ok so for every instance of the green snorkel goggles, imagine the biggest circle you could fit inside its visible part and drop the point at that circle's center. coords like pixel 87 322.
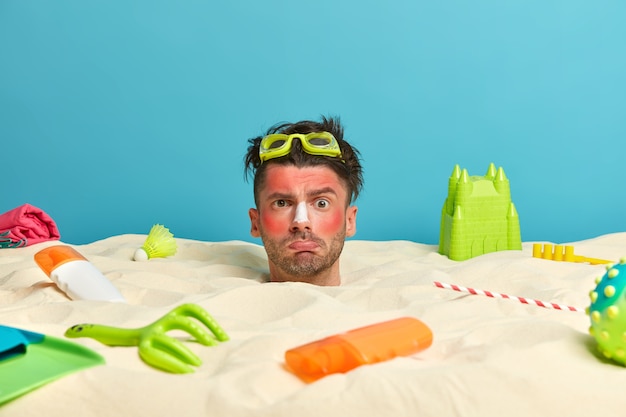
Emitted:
pixel 316 143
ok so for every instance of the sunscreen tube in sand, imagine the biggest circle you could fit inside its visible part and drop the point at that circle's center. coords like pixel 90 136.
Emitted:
pixel 75 275
pixel 370 344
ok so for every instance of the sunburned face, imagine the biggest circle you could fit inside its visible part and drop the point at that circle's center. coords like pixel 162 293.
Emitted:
pixel 303 219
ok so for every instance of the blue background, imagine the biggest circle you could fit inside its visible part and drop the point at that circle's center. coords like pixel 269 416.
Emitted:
pixel 115 115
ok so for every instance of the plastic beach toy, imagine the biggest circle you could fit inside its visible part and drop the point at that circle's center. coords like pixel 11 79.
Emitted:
pixel 156 348
pixel 563 253
pixel 608 312
pixel 366 345
pixel 478 215
pixel 75 275
pixel 29 360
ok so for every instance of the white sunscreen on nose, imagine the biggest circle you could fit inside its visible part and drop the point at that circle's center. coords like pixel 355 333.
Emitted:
pixel 301 213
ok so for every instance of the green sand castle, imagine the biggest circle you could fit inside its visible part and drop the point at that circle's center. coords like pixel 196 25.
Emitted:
pixel 478 216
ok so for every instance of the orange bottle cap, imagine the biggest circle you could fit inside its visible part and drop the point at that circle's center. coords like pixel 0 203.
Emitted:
pixel 54 256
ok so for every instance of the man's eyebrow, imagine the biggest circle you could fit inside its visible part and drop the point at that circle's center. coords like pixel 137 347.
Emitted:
pixel 322 191
pixel 314 193
pixel 279 196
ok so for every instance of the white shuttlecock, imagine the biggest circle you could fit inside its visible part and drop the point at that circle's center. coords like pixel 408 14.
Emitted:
pixel 159 244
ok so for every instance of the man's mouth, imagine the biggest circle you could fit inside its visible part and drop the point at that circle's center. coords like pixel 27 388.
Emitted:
pixel 303 246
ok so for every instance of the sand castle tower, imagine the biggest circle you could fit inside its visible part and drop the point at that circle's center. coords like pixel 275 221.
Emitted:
pixel 478 215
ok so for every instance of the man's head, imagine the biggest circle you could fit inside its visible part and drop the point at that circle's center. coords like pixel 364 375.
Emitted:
pixel 305 178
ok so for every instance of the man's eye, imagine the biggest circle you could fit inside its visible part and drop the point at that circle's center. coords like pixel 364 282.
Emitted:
pixel 322 203
pixel 280 203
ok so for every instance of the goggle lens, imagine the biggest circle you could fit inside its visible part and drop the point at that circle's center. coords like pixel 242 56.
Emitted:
pixel 276 144
pixel 317 141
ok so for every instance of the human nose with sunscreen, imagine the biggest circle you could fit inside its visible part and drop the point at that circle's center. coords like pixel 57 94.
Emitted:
pixel 75 275
pixel 301 215
pixel 366 345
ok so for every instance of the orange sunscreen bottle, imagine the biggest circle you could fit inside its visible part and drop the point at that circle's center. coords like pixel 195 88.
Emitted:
pixel 75 275
pixel 366 345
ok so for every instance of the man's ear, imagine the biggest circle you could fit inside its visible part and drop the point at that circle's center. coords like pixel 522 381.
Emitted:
pixel 351 220
pixel 254 222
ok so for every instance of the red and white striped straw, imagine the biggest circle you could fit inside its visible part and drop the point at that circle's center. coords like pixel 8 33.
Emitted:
pixel 510 297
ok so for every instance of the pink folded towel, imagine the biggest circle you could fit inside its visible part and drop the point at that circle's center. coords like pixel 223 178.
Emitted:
pixel 26 225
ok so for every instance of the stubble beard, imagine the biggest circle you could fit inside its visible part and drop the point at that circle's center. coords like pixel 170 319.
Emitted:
pixel 304 264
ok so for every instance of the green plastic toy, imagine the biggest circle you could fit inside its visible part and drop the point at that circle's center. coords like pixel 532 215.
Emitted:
pixel 608 312
pixel 29 360
pixel 156 348
pixel 478 215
